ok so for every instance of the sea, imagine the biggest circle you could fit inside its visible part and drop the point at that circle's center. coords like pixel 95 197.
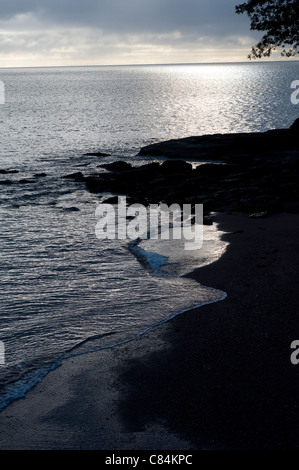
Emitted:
pixel 65 292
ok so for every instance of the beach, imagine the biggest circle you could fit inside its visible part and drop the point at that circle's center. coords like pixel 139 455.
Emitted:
pixel 216 377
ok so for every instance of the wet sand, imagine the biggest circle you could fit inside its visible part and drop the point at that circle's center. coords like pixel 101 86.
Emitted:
pixel 217 377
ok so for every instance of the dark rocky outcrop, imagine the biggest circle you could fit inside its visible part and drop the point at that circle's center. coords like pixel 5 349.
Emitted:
pixel 117 166
pixel 227 146
pixel 257 173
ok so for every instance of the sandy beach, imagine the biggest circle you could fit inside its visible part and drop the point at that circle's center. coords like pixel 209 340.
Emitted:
pixel 217 377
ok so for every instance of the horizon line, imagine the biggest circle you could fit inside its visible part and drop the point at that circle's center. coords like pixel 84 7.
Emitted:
pixel 151 64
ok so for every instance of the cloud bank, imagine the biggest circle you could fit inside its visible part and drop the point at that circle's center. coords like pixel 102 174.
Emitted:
pixel 72 32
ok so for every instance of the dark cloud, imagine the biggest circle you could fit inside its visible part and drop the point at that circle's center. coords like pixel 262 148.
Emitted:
pixel 121 31
pixel 217 16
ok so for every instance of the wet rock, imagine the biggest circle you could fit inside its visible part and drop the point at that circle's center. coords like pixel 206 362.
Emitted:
pixel 97 154
pixel 145 171
pixel 214 169
pixel 225 147
pixel 197 148
pixel 262 176
pixel 27 181
pixel 94 184
pixel 208 220
pixel 6 172
pixel 111 200
pixel 175 166
pixel 6 182
pixel 75 176
pixel 71 209
pixel 295 126
pixel 117 166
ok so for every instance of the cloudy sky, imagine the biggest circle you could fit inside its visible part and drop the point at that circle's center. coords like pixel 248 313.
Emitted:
pixel 96 32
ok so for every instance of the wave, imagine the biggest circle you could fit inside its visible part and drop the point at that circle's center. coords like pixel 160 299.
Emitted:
pixel 152 262
pixel 149 260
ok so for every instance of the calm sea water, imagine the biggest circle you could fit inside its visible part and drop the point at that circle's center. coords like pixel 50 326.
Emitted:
pixel 63 291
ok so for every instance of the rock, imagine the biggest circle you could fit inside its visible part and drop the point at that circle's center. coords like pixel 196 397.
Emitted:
pixel 175 166
pixel 144 171
pixel 208 205
pixel 214 169
pixel 111 200
pixel 223 147
pixel 117 166
pixel 6 182
pixel 6 172
pixel 94 184
pixel 97 154
pixel 295 126
pixel 27 181
pixel 208 220
pixel 71 209
pixel 40 175
pixel 195 147
pixel 76 176
pixel 262 178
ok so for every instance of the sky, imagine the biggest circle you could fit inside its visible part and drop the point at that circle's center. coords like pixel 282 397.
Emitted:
pixel 111 32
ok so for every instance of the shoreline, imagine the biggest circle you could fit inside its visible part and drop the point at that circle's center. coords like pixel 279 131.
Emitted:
pixel 218 376
pixel 21 387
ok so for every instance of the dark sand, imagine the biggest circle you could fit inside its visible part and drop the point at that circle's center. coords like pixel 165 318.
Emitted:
pixel 218 377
